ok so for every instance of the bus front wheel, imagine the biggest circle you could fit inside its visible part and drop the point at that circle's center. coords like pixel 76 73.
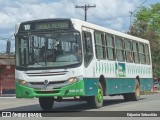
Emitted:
pixel 46 103
pixel 97 100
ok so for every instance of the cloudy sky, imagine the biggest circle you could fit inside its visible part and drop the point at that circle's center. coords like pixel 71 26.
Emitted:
pixel 113 14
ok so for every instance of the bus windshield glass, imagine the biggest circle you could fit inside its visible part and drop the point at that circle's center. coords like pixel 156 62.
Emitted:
pixel 46 50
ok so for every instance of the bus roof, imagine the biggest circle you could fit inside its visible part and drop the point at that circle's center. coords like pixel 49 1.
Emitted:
pixel 110 31
pixel 95 27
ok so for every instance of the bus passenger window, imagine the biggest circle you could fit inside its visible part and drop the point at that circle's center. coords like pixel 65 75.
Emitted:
pixel 147 54
pixel 87 47
pixel 135 52
pixel 142 54
pixel 110 47
pixel 128 50
pixel 100 45
pixel 119 49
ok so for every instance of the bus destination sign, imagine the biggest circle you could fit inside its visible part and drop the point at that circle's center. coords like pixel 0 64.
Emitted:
pixel 52 25
pixel 45 25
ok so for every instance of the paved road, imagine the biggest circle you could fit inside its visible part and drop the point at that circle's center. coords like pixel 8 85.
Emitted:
pixel 146 103
pixel 116 103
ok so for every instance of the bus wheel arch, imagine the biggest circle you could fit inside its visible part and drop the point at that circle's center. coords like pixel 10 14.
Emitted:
pixel 136 94
pixel 96 101
pixel 138 79
pixel 103 83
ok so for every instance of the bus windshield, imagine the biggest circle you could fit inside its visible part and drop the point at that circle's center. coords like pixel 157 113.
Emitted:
pixel 45 50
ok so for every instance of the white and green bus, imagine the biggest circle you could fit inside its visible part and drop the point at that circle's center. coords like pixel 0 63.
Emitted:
pixel 70 59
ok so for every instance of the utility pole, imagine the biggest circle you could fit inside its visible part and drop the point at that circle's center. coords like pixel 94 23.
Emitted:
pixel 85 7
pixel 8 46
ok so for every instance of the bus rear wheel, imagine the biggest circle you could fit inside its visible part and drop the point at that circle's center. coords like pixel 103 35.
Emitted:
pixel 97 100
pixel 46 103
pixel 135 96
pixel 126 96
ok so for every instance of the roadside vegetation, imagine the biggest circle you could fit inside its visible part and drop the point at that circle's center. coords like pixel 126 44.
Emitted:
pixel 156 91
pixel 146 24
pixel 148 92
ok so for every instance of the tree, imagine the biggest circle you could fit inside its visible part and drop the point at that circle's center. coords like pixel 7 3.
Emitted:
pixel 146 24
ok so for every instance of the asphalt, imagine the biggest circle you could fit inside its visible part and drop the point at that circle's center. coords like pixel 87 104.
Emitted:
pixel 13 95
pixel 7 95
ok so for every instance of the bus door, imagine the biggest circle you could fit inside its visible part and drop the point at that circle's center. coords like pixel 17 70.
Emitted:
pixel 87 36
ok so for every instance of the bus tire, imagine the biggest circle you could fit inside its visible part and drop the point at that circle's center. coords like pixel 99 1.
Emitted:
pixel 126 97
pixel 136 95
pixel 46 103
pixel 97 100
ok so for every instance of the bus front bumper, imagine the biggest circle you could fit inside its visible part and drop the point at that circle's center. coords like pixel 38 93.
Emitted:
pixel 72 90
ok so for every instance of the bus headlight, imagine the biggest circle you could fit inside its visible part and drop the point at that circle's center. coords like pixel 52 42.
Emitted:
pixel 22 82
pixel 74 79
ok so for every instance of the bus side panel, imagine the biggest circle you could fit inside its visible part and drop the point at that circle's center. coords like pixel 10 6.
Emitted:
pixel 119 85
pixel 126 85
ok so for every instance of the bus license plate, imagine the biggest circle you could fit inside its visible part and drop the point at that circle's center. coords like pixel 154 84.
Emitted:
pixel 47 89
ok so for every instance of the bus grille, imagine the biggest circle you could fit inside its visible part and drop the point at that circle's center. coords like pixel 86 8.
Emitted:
pixel 46 73
pixel 47 92
pixel 51 85
pixel 42 83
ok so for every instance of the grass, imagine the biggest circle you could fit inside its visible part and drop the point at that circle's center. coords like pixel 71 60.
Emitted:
pixel 156 91
pixel 148 92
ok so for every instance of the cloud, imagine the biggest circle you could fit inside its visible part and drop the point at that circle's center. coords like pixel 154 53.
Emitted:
pixel 113 14
pixel 22 10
